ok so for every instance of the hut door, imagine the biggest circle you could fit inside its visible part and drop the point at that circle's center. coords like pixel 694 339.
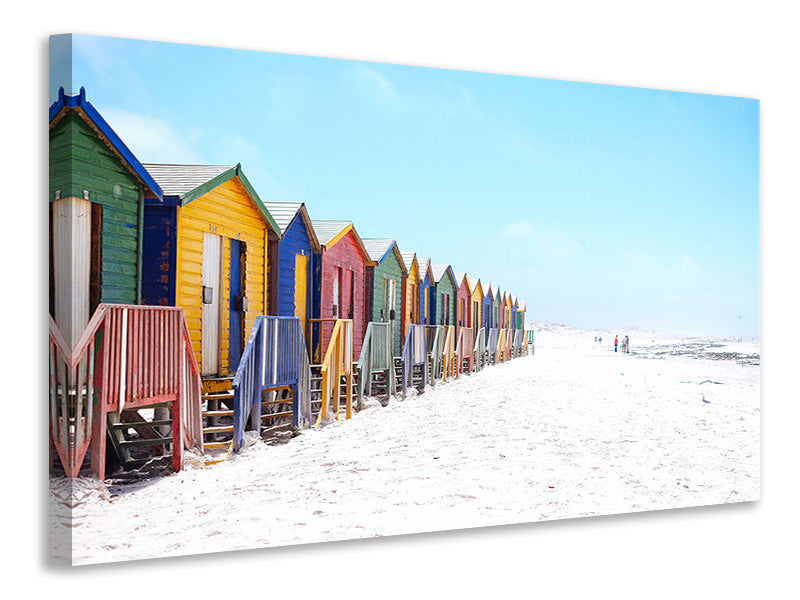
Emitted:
pixel 347 294
pixel 300 283
pixel 237 305
pixel 71 248
pixel 390 306
pixel 210 316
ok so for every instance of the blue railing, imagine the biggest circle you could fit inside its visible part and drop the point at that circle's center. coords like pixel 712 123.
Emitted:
pixel 415 353
pixel 275 357
pixel 491 345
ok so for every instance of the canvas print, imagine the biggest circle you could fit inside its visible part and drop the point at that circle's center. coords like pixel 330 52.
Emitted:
pixel 297 299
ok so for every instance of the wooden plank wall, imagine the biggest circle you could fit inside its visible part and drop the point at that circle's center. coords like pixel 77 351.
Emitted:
pixel 80 160
pixel 389 269
pixel 229 212
pixel 346 254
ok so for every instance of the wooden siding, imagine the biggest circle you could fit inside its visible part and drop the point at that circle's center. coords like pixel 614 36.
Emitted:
pixel 81 161
pixel 158 255
pixel 295 241
pixel 389 269
pixel 347 255
pixel 411 298
pixel 445 287
pixel 229 212
pixel 463 304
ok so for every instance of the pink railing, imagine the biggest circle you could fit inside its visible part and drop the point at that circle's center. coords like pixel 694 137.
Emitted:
pixel 128 357
pixel 464 349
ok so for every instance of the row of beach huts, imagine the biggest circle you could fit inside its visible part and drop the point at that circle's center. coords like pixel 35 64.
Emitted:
pixel 186 311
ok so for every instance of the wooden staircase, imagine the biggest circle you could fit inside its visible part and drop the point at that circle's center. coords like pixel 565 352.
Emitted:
pixel 217 412
pixel 139 438
pixel 316 388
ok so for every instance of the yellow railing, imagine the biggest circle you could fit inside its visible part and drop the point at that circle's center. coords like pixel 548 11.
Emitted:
pixel 338 362
pixel 449 353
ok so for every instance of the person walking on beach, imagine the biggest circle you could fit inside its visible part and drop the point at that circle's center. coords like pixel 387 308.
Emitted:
pixel 615 343
pixel 625 344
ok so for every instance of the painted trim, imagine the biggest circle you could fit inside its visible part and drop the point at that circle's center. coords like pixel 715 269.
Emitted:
pixel 78 102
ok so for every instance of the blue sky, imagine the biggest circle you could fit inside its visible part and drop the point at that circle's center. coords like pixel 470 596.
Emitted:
pixel 601 206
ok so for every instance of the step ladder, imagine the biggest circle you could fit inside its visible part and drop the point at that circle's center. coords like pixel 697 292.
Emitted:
pixel 139 435
pixel 315 385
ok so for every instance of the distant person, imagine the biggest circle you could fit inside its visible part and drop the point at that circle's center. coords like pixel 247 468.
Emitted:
pixel 600 339
pixel 615 343
pixel 625 343
pixel 595 339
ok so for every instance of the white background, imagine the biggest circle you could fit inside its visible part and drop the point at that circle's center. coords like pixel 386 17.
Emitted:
pixel 724 48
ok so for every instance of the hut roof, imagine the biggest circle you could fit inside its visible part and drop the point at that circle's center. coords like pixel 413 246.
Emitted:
pixel 89 114
pixel 378 249
pixel 408 259
pixel 187 183
pixel 330 232
pixel 439 271
pixel 285 212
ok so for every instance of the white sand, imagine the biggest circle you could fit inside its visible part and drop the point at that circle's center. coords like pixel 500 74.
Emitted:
pixel 575 430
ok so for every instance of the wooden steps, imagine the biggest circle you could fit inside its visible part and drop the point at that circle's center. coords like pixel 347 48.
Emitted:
pixel 138 438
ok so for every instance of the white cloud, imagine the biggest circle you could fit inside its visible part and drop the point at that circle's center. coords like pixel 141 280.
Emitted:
pixel 374 84
pixel 150 139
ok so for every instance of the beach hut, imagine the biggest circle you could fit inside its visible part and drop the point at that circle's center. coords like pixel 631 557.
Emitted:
pixel 385 283
pixel 463 301
pixel 96 196
pixel 298 244
pixel 514 307
pixel 476 301
pixel 445 295
pixel 521 308
pixel 206 249
pixel 427 292
pixel 338 291
pixel 497 313
pixel 411 293
pixel 487 308
pixel 99 375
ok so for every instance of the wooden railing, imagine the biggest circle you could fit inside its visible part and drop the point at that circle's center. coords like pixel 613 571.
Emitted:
pixel 415 353
pixel 480 351
pixel 435 337
pixel 376 357
pixel 319 330
pixel 501 346
pixel 491 345
pixel 465 350
pixel 275 357
pixel 519 338
pixel 449 362
pixel 128 357
pixel 338 363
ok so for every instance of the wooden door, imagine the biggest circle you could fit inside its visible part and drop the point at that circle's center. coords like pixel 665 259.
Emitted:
pixel 210 316
pixel 236 305
pixel 300 287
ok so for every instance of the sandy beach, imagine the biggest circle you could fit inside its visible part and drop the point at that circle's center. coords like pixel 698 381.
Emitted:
pixel 575 430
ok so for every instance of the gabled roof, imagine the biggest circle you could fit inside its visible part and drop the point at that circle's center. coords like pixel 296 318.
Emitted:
pixel 408 260
pixel 330 232
pixel 474 286
pixel 88 113
pixel 522 306
pixel 424 266
pixel 286 212
pixel 460 279
pixel 488 290
pixel 186 183
pixel 379 249
pixel 439 271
